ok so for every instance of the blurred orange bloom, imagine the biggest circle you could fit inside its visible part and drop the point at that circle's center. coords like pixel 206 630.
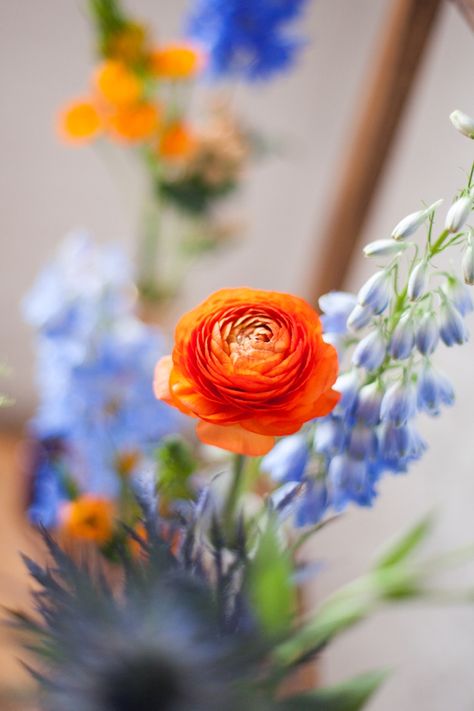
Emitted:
pixel 251 365
pixel 80 121
pixel 177 141
pixel 176 61
pixel 88 518
pixel 117 84
pixel 134 123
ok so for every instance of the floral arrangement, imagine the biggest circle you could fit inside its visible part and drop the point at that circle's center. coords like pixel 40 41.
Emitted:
pixel 140 98
pixel 174 552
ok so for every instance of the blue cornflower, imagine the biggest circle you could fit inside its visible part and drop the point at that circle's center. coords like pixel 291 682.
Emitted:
pixel 246 38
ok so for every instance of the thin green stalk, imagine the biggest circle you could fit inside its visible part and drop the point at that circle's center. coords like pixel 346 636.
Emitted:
pixel 235 488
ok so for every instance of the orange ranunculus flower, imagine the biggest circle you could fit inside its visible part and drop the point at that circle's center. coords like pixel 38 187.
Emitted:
pixel 134 123
pixel 80 121
pixel 251 365
pixel 88 518
pixel 176 142
pixel 176 61
pixel 117 84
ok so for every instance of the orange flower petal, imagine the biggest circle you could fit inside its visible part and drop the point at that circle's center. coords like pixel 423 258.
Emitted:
pixel 234 438
pixel 80 121
pixel 117 84
pixel 176 61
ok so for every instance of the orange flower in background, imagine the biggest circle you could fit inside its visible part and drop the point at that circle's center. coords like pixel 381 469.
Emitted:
pixel 251 365
pixel 177 141
pixel 80 121
pixel 117 84
pixel 88 518
pixel 176 61
pixel 134 123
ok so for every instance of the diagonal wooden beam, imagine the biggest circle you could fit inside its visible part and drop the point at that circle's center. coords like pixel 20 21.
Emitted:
pixel 405 36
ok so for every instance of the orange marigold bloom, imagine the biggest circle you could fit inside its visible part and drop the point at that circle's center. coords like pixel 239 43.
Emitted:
pixel 80 121
pixel 176 142
pixel 89 518
pixel 117 84
pixel 176 61
pixel 251 365
pixel 134 123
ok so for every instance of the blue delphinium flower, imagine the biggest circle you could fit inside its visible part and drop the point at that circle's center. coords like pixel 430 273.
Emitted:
pixel 246 38
pixel 95 364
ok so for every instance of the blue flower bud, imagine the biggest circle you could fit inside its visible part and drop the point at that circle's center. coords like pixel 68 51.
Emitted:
pixel 417 281
pixel 336 307
pixel 348 385
pixel 427 334
pixel 434 390
pixel 359 317
pixel 412 222
pixel 398 403
pixel 459 295
pixel 313 504
pixel 400 444
pixel 463 123
pixel 452 329
pixel 368 403
pixel 375 293
pixel 288 459
pixel 458 214
pixel 370 352
pixel 349 479
pixel 329 436
pixel 362 442
pixel 468 263
pixel 384 248
pixel 403 338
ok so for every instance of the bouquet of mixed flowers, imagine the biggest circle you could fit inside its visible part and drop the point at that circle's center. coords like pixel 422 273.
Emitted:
pixel 174 555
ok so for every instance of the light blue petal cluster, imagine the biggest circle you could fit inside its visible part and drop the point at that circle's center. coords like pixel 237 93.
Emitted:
pixel 95 363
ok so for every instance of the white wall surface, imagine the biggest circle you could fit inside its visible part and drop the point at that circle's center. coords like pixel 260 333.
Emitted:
pixel 47 189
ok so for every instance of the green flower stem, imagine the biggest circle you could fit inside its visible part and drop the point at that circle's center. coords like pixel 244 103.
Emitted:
pixel 148 250
pixel 438 245
pixel 235 490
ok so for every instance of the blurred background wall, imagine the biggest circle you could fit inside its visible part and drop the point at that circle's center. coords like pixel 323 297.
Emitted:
pixel 47 189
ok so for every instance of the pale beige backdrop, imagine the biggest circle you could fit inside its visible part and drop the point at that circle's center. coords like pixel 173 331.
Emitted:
pixel 46 190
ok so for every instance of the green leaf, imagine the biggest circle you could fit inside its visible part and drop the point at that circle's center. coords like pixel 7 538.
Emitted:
pixel 175 465
pixel 269 583
pixel 403 546
pixel 351 695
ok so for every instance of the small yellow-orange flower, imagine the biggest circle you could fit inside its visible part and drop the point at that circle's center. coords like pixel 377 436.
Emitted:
pixel 88 518
pixel 134 123
pixel 251 365
pixel 80 121
pixel 117 84
pixel 176 142
pixel 176 61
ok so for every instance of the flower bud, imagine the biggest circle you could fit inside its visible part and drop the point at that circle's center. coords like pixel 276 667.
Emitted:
pixel 370 352
pixel 434 390
pixel 468 264
pixel 401 444
pixel 458 214
pixel 384 248
pixel 412 222
pixel 348 385
pixel 375 293
pixel 417 280
pixel 348 479
pixel 427 334
pixel 363 442
pixel 368 403
pixel 313 505
pixel 288 459
pixel 398 403
pixel 359 317
pixel 329 436
pixel 463 123
pixel 452 329
pixel 459 295
pixel 403 338
pixel 336 307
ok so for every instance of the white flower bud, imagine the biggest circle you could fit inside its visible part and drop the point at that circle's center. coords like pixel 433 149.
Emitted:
pixel 468 264
pixel 375 293
pixel 417 281
pixel 384 248
pixel 458 214
pixel 463 123
pixel 412 222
